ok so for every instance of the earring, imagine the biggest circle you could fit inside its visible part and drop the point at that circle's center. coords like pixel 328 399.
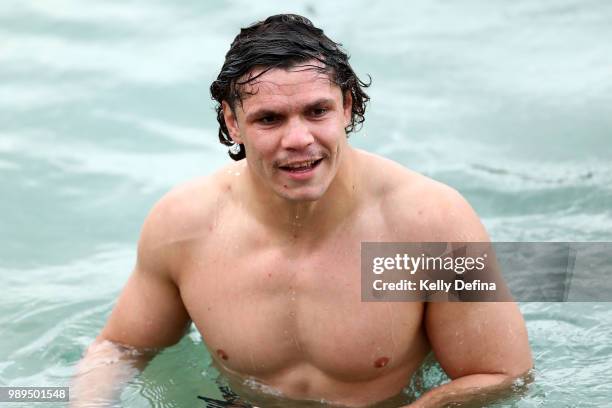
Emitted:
pixel 234 149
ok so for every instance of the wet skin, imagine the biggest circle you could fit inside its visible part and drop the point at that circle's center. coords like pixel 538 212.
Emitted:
pixel 293 132
pixel 264 258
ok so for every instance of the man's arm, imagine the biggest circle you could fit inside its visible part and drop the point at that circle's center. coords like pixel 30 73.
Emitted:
pixel 483 347
pixel 149 315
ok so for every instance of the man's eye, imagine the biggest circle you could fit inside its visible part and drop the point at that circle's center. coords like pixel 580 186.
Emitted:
pixel 266 120
pixel 319 112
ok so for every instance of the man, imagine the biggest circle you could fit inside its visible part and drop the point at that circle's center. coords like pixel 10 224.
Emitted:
pixel 264 256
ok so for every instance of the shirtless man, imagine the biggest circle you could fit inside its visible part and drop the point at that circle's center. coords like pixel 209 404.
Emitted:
pixel 264 256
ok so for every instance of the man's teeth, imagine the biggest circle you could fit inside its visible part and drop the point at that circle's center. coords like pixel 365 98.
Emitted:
pixel 300 165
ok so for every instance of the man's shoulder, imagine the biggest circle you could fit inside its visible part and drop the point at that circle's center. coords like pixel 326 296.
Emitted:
pixel 392 181
pixel 185 211
pixel 409 198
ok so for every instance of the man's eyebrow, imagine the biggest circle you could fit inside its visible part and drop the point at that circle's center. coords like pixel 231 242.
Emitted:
pixel 260 113
pixel 320 102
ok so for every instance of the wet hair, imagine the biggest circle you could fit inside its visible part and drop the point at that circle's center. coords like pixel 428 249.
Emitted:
pixel 283 41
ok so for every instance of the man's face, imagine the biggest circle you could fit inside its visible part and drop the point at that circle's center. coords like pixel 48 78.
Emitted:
pixel 292 129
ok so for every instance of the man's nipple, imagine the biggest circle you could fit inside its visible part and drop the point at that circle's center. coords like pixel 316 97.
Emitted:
pixel 222 354
pixel 381 362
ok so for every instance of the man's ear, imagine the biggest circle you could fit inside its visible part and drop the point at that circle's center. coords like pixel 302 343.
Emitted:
pixel 231 122
pixel 347 107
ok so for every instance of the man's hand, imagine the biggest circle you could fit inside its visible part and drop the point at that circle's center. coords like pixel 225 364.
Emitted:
pixel 473 391
pixel 103 372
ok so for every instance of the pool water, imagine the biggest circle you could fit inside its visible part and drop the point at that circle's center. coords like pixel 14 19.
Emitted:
pixel 105 106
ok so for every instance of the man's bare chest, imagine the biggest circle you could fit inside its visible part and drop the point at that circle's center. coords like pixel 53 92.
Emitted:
pixel 263 312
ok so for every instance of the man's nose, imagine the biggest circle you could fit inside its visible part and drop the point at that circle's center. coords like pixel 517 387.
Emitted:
pixel 297 135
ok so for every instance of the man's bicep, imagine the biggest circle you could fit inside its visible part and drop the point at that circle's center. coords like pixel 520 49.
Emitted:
pixel 149 312
pixel 478 338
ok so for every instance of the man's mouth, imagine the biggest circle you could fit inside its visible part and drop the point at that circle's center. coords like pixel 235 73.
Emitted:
pixel 301 167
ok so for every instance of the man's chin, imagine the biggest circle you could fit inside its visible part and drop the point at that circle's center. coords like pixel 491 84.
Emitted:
pixel 302 194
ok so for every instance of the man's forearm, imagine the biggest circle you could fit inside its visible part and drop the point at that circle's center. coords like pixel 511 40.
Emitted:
pixel 472 390
pixel 103 373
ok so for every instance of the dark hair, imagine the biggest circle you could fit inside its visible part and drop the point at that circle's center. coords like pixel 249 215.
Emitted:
pixel 283 41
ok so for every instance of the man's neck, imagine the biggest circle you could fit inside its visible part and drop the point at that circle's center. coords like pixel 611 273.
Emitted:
pixel 309 219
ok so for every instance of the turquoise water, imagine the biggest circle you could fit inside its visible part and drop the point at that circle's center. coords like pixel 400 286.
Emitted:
pixel 104 106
